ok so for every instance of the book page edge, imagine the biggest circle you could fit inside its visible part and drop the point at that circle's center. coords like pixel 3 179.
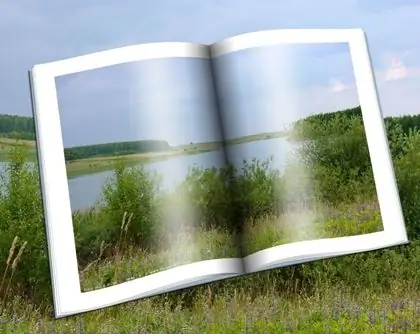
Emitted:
pixel 122 55
pixel 163 281
pixel 269 37
pixel 312 250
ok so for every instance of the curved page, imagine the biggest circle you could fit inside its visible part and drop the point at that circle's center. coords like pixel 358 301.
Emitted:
pixel 314 178
pixel 127 141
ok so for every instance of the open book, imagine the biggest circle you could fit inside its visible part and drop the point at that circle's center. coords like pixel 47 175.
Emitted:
pixel 169 165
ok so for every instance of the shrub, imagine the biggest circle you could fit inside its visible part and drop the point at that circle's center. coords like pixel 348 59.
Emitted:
pixel 336 152
pixel 21 215
pixel 226 197
pixel 209 192
pixel 407 170
pixel 133 191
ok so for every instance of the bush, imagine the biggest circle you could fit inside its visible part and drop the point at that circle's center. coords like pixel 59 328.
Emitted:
pixel 210 194
pixel 407 170
pixel 133 191
pixel 227 197
pixel 21 215
pixel 257 190
pixel 337 154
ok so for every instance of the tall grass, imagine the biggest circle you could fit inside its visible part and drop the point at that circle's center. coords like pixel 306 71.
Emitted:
pixel 121 238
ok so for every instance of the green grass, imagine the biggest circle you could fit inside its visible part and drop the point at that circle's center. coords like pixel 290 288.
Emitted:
pixel 125 262
pixel 346 220
pixel 96 165
pixel 328 309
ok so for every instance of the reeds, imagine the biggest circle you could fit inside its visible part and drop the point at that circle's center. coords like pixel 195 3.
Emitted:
pixel 9 260
pixel 125 223
pixel 120 247
pixel 11 264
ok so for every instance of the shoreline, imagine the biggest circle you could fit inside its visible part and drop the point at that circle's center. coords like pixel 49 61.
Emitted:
pixel 94 165
pixel 98 164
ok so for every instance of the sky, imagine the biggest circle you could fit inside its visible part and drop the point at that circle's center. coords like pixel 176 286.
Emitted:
pixel 168 99
pixel 267 88
pixel 43 31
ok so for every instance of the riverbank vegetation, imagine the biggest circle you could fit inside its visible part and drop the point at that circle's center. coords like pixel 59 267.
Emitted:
pixel 259 136
pixel 17 127
pixel 371 292
pixel 98 163
pixel 7 144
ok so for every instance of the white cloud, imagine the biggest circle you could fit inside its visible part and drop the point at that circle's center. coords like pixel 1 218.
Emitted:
pixel 396 71
pixel 397 84
pixel 337 85
pixel 398 66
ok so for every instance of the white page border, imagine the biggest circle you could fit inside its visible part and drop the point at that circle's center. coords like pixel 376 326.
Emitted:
pixel 68 298
pixel 394 232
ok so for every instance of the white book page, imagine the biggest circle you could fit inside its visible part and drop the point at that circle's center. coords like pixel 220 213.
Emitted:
pixel 117 134
pixel 269 83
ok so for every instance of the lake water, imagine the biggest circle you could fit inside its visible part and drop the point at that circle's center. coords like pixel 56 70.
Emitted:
pixel 86 190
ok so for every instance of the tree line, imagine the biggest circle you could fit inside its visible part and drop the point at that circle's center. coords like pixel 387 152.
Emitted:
pixel 407 123
pixel 22 127
pixel 17 127
pixel 115 149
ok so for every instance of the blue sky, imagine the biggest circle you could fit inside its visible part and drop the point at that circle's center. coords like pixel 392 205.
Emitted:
pixel 42 31
pixel 169 99
pixel 265 89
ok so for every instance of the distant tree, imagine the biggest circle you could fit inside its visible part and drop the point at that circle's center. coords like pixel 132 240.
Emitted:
pixel 17 127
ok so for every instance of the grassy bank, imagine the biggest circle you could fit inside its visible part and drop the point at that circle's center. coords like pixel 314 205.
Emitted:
pixel 94 165
pixel 101 164
pixel 373 292
pixel 6 144
pixel 271 231
pixel 326 310
pixel 256 137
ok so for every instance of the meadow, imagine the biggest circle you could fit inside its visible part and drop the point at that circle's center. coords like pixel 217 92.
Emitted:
pixel 375 292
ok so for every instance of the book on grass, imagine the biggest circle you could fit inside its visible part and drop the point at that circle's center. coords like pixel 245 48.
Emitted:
pixel 168 165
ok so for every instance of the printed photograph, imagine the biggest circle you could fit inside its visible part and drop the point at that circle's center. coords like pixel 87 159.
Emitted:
pixel 140 142
pixel 295 136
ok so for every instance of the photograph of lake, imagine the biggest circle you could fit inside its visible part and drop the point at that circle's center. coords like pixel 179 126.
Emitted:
pixel 164 171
